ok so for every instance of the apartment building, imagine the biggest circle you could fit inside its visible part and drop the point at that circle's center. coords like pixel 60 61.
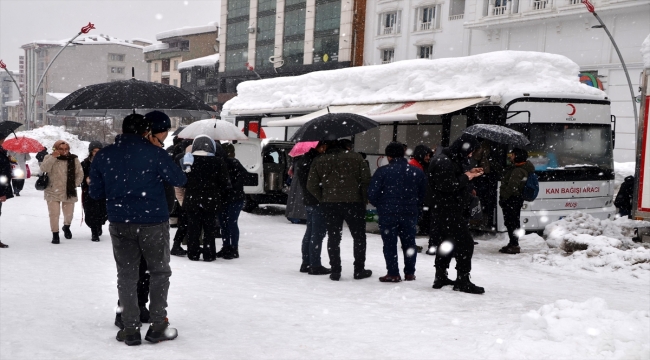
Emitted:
pixel 201 77
pixel 8 92
pixel 176 46
pixel 89 60
pixel 410 29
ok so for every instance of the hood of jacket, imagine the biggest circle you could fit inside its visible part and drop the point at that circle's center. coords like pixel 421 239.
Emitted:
pixel 420 152
pixel 463 146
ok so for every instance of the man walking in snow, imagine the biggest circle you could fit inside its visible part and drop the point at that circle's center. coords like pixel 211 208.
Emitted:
pixel 129 175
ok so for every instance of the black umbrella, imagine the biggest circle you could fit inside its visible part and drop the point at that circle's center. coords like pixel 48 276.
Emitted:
pixel 333 126
pixel 120 98
pixel 499 134
pixel 7 127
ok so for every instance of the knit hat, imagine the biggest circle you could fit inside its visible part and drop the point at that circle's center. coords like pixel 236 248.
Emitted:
pixel 395 150
pixel 420 152
pixel 160 122
pixel 95 145
pixel 521 155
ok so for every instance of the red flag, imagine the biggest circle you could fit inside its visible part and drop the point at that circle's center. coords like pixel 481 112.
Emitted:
pixel 589 5
pixel 3 65
pixel 86 29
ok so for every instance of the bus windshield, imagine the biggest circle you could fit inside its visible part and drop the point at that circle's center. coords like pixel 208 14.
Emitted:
pixel 568 146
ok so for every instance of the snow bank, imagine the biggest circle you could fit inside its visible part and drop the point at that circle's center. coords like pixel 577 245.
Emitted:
pixel 578 330
pixel 491 74
pixel 154 47
pixel 645 50
pixel 209 60
pixel 48 135
pixel 188 30
pixel 595 245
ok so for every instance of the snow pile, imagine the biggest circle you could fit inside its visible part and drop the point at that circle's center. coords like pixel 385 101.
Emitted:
pixel 209 60
pixel 48 135
pixel 188 30
pixel 645 50
pixel 491 74
pixel 595 244
pixel 154 47
pixel 579 330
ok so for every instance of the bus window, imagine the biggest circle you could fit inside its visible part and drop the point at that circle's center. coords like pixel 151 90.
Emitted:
pixel 413 135
pixel 458 124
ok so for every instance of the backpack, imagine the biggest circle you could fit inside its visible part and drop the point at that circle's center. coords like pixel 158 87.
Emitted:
pixel 531 189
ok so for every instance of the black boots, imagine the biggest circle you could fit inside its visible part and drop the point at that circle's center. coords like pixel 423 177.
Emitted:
pixel 55 237
pixel 319 270
pixel 362 274
pixel 160 332
pixel 304 268
pixel 441 279
pixel 229 252
pixel 94 230
pixel 178 250
pixel 3 246
pixel 130 336
pixel 463 284
pixel 66 231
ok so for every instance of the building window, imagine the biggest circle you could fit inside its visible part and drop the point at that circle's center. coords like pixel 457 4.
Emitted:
pixel 155 67
pixel 456 9
pixel 116 57
pixel 427 18
pixel 188 77
pixel 117 70
pixel 262 55
pixel 294 22
pixel 175 82
pixel 294 52
pixel 425 52
pixel 200 82
pixel 238 8
pixel 326 49
pixel 236 59
pixel 328 17
pixel 387 56
pixel 237 34
pixel 389 23
pixel 175 64
pixel 266 28
pixel 537 4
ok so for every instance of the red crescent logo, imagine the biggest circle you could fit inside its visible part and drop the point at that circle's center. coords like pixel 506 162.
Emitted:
pixel 573 109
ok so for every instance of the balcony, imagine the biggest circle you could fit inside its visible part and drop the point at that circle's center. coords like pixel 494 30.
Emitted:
pixel 389 30
pixel 539 5
pixel 425 26
pixel 499 10
pixel 456 17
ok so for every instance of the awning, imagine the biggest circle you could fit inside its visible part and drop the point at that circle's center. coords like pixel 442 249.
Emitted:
pixel 389 112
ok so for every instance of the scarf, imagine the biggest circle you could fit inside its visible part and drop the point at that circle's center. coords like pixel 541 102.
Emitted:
pixel 70 186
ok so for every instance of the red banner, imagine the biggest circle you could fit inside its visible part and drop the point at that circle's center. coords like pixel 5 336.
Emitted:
pixel 86 29
pixel 3 65
pixel 589 5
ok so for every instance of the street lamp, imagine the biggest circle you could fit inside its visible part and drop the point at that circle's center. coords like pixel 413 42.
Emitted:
pixel 591 9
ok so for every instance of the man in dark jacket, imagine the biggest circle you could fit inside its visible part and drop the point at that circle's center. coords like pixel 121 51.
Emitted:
pixel 623 199
pixel 510 195
pixel 6 192
pixel 450 205
pixel 95 210
pixel 129 174
pixel 420 159
pixel 232 204
pixel 397 190
pixel 312 241
pixel 339 181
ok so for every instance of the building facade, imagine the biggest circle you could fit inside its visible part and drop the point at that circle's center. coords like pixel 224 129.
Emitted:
pixel 92 59
pixel 201 77
pixel 268 38
pixel 177 46
pixel 8 92
pixel 410 29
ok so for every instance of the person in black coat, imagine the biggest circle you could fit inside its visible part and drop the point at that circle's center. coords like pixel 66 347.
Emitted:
pixel 623 199
pixel 207 179
pixel 178 153
pixel 6 192
pixel 450 202
pixel 95 210
pixel 231 206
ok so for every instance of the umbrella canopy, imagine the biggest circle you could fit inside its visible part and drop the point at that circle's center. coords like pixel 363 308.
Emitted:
pixel 7 127
pixel 499 134
pixel 302 148
pixel 121 98
pixel 23 145
pixel 214 128
pixel 333 126
pixel 177 131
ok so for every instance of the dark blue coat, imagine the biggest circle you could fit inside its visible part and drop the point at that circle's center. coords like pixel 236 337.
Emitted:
pixel 129 175
pixel 397 188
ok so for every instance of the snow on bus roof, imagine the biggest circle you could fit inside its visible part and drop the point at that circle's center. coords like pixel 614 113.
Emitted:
pixel 645 50
pixel 492 74
pixel 209 60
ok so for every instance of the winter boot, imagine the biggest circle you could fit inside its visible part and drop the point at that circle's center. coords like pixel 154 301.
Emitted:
pixel 160 332
pixel 94 235
pixel 55 237
pixel 362 274
pixel 235 252
pixel 66 231
pixel 463 284
pixel 130 336
pixel 409 277
pixel 3 246
pixel 223 251
pixel 177 250
pixel 510 249
pixel 335 276
pixel 390 278
pixel 441 279
pixel 319 270
pixel 304 268
pixel 228 253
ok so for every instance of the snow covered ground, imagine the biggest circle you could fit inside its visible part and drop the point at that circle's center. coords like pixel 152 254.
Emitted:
pixel 58 301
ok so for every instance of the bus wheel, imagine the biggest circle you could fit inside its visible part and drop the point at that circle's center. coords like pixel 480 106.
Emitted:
pixel 250 204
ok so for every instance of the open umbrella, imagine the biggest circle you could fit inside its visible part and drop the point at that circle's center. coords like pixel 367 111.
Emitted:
pixel 499 134
pixel 23 145
pixel 7 127
pixel 302 148
pixel 120 98
pixel 214 128
pixel 177 131
pixel 333 126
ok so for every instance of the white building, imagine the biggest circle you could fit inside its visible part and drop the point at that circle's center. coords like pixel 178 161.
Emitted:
pixel 407 29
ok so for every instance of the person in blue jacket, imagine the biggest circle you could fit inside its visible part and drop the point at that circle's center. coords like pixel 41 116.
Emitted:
pixel 397 190
pixel 129 174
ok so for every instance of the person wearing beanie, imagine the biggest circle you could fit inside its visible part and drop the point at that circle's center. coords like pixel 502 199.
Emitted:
pixel 94 210
pixel 160 125
pixel 231 205
pixel 510 195
pixel 397 190
pixel 450 202
pixel 6 192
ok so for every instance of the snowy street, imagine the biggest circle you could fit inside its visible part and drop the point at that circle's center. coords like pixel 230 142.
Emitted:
pixel 58 301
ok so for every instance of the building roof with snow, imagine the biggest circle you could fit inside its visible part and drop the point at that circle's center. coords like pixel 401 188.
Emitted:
pixel 12 103
pixel 155 47
pixel 205 61
pixel 645 50
pixel 494 74
pixel 188 30
pixel 100 39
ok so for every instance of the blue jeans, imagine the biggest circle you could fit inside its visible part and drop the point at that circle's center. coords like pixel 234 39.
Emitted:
pixel 228 216
pixel 312 241
pixel 404 226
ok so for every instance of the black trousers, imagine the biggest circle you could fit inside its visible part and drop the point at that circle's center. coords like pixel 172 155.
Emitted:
pixel 198 219
pixel 435 232
pixel 143 284
pixel 454 232
pixel 511 213
pixel 354 214
pixel 18 185
pixel 181 232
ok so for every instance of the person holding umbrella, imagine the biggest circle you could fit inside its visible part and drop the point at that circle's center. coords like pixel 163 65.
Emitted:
pixel 95 210
pixel 5 175
pixel 65 175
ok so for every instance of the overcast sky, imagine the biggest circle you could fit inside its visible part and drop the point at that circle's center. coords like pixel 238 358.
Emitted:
pixel 23 21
